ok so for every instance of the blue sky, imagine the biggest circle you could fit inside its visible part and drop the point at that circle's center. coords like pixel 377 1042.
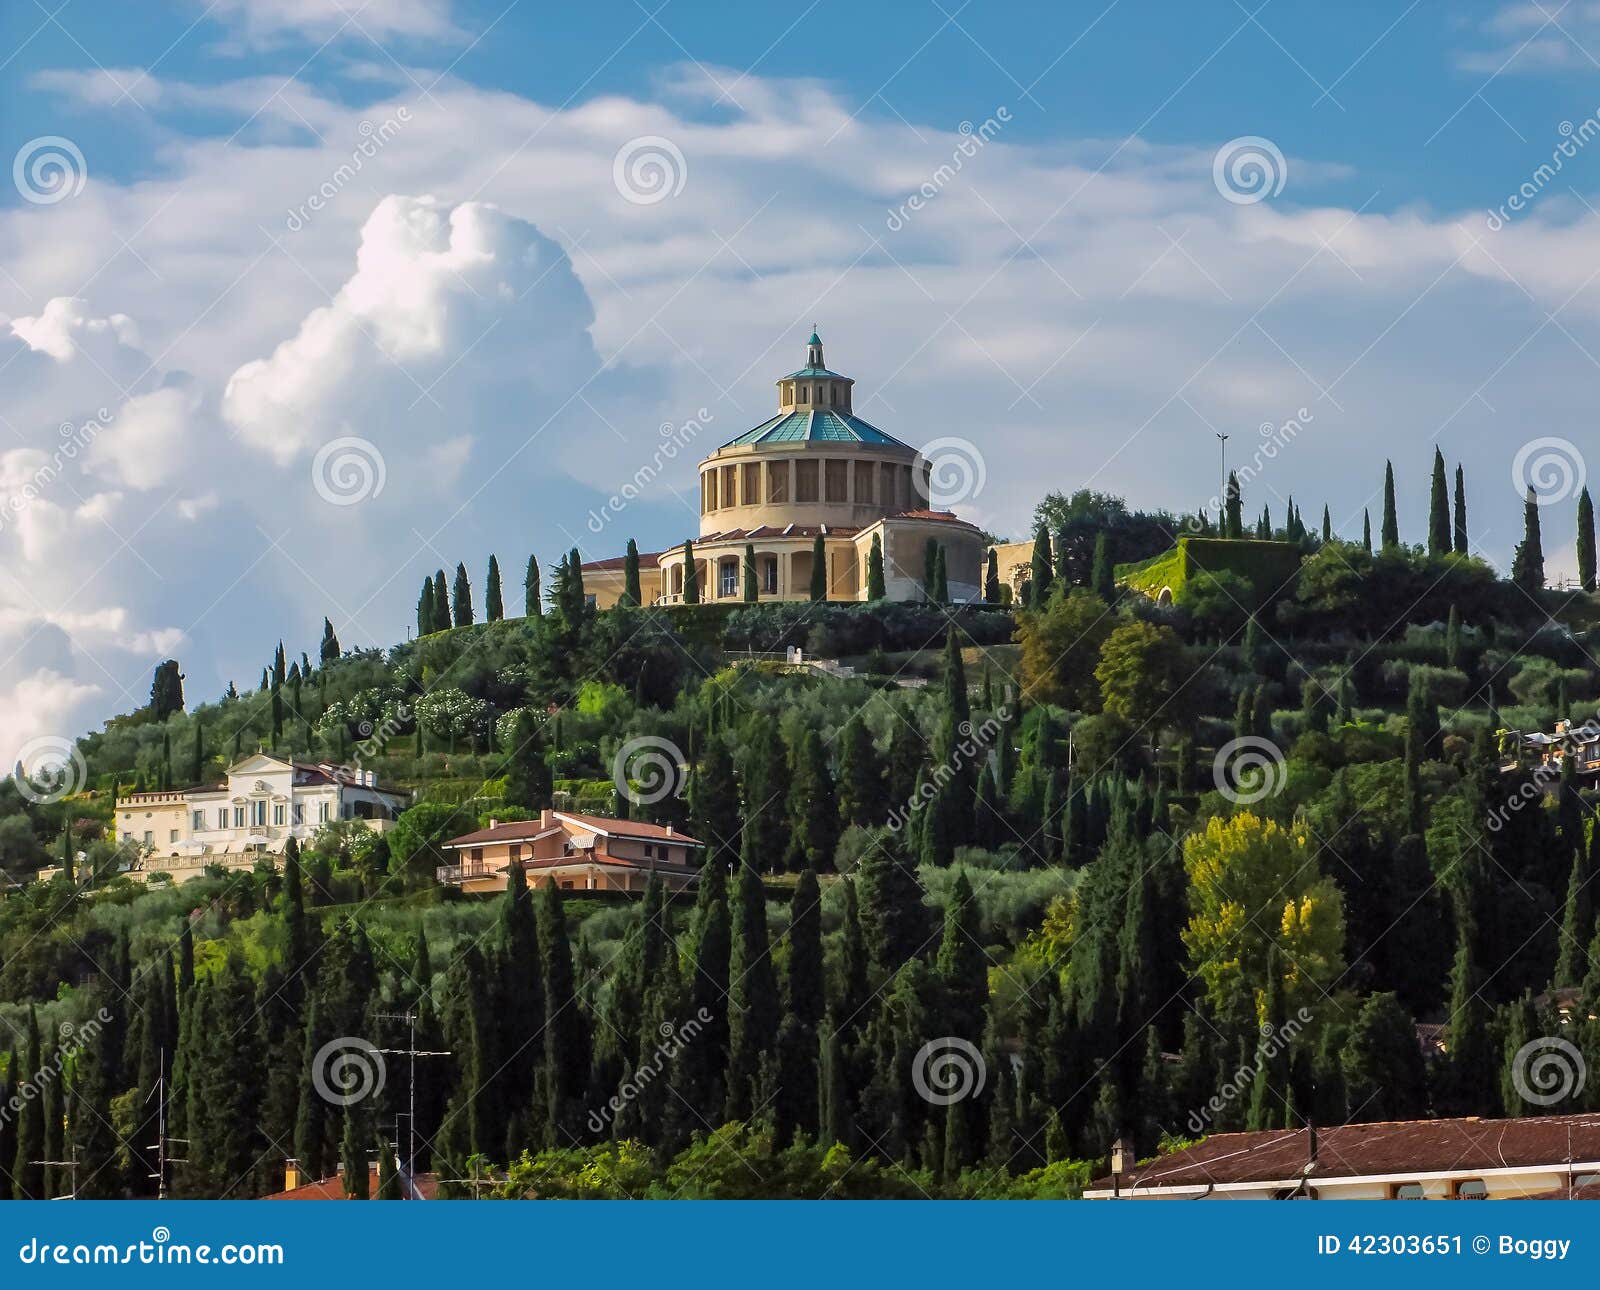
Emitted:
pixel 287 225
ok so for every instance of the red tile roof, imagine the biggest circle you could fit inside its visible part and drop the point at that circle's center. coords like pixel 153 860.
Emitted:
pixel 627 828
pixel 618 562
pixel 333 1188
pixel 1387 1147
pixel 512 831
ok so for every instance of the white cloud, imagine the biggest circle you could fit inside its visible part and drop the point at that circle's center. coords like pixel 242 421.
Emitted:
pixel 272 22
pixel 1088 313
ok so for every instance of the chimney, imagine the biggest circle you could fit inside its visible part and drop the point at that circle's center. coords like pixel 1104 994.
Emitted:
pixel 291 1174
pixel 669 830
pixel 1122 1163
pixel 546 818
pixel 493 823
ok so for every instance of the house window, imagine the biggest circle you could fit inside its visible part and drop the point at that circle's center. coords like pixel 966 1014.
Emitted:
pixel 730 486
pixel 279 813
pixel 238 817
pixel 172 835
pixel 805 481
pixel 322 812
pixel 258 814
pixel 728 578
pixel 149 837
pixel 805 394
pixel 709 480
pixel 778 481
pixel 838 480
pixel 1406 1191
pixel 197 820
pixel 476 855
pixel 1472 1189
pixel 750 484
pixel 769 575
pixel 298 814
pixel 516 852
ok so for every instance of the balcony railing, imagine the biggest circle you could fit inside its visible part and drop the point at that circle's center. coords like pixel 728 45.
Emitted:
pixel 452 875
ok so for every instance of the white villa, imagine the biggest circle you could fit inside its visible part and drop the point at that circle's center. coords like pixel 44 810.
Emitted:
pixel 263 803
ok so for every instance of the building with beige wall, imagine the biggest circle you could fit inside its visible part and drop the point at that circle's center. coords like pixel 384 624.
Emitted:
pixel 572 851
pixel 262 803
pixel 814 469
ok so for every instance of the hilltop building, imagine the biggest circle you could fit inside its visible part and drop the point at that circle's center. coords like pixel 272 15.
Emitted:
pixel 815 468
pixel 263 802
pixel 574 852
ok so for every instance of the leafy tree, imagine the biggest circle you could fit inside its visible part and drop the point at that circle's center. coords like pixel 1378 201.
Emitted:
pixel 1142 674
pixel 1060 647
pixel 1381 1065
pixel 1255 886
pixel 528 777
pixel 494 607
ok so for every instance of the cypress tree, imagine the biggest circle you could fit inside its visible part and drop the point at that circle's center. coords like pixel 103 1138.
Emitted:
pixel 1527 564
pixel 819 569
pixel 329 650
pixel 27 1176
pixel 753 995
pixel 861 784
pixel 851 992
pixel 494 607
pixel 752 587
pixel 1041 575
pixel 1585 541
pixel 1327 524
pixel 991 576
pixel 1271 1094
pixel 930 567
pixel 764 841
pixel 1391 519
pixel 691 576
pixel 462 611
pixel 529 781
pixel 805 994
pixel 1452 638
pixel 1366 530
pixel 962 965
pixel 893 921
pixel 876 588
pixel 566 1037
pixel 632 590
pixel 1233 509
pixel 532 597
pixel 941 578
pixel 1578 923
pixel 441 602
pixel 388 1172
pixel 837 1120
pixel 1460 514
pixel 355 1173
pixel 425 624
pixel 1439 537
pixel 1104 576
pixel 812 806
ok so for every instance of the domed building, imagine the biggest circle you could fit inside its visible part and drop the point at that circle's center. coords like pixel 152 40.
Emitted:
pixel 816 468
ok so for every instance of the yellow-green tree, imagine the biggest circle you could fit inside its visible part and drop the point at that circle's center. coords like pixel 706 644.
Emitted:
pixel 1060 647
pixel 1253 885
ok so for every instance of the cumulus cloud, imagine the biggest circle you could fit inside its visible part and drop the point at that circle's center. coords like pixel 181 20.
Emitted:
pixel 1088 313
pixel 274 22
